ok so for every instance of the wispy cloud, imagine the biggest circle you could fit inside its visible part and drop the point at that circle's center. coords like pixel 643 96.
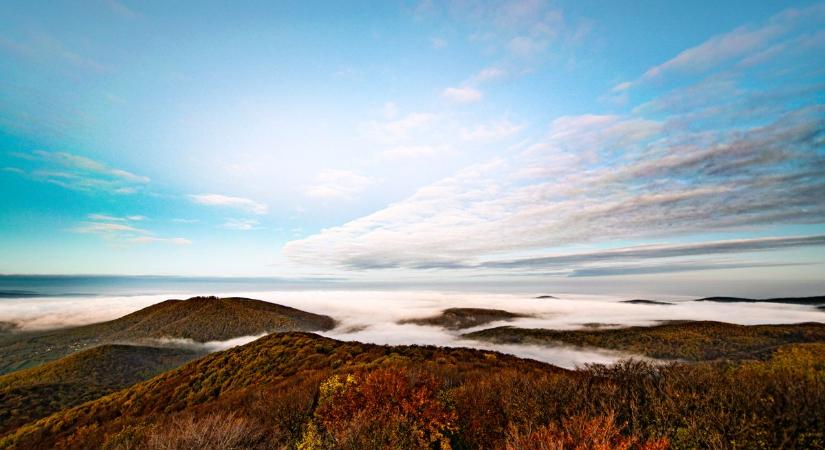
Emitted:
pixel 120 8
pixel 413 151
pixel 241 224
pixel 44 48
pixel 462 95
pixel 119 231
pixel 153 239
pixel 396 130
pixel 747 45
pixel 226 201
pixel 648 252
pixel 338 184
pixel 491 132
pixel 649 269
pixel 486 74
pixel 438 43
pixel 109 218
pixel 599 178
pixel 79 173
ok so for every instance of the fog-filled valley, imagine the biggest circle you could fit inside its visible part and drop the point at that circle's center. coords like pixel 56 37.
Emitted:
pixel 382 317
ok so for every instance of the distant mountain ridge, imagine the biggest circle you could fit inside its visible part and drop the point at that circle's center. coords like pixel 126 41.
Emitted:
pixel 200 319
pixel 815 300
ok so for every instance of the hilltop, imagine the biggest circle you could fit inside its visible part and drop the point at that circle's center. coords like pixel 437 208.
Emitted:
pixel 38 392
pixel 200 319
pixel 460 318
pixel 685 340
pixel 301 390
pixel 640 301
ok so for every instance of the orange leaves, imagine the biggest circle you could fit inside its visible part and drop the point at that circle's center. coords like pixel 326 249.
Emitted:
pixel 385 408
pixel 580 433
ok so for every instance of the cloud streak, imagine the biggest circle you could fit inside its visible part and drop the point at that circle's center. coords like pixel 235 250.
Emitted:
pixel 119 230
pixel 601 178
pixel 79 173
pixel 646 252
pixel 333 184
pixel 226 201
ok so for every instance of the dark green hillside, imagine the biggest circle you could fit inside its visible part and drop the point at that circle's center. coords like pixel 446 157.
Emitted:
pixel 33 393
pixel 691 341
pixel 201 319
pixel 298 390
pixel 460 318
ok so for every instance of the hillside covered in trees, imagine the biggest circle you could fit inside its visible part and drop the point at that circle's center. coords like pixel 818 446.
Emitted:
pixel 200 319
pixel 40 391
pixel 299 390
pixel 682 340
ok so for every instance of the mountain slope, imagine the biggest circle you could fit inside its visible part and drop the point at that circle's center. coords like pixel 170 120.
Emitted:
pixel 301 390
pixel 686 340
pixel 200 319
pixel 270 363
pixel 38 392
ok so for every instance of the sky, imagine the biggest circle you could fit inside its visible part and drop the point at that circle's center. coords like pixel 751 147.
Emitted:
pixel 645 144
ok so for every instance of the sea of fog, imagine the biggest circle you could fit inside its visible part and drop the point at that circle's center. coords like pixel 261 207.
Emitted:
pixel 373 316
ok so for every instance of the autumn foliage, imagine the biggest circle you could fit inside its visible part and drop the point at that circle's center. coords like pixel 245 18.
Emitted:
pixel 385 408
pixel 298 390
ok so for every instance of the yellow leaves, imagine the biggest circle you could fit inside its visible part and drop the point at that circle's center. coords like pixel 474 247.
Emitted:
pixel 333 385
pixel 311 439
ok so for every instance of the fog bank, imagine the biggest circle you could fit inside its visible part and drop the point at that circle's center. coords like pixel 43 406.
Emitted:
pixel 374 316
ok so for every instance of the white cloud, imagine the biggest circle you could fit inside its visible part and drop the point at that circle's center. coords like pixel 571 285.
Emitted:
pixel 117 230
pixel 241 224
pixel 716 50
pixel 462 94
pixel 491 132
pixel 592 178
pixel 526 46
pixel 487 74
pixel 390 110
pixel 395 130
pixel 109 218
pixel 80 173
pixel 746 45
pixel 152 239
pixel 230 202
pixel 108 228
pixel 338 184
pixel 413 151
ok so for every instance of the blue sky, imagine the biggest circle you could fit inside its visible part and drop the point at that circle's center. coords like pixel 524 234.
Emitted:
pixel 565 142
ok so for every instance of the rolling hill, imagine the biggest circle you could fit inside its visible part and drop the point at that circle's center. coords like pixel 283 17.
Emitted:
pixel 200 319
pixel 684 340
pixel 460 318
pixel 29 394
pixel 299 390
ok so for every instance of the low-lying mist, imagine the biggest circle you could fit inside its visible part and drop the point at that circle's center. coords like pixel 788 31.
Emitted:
pixel 374 316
